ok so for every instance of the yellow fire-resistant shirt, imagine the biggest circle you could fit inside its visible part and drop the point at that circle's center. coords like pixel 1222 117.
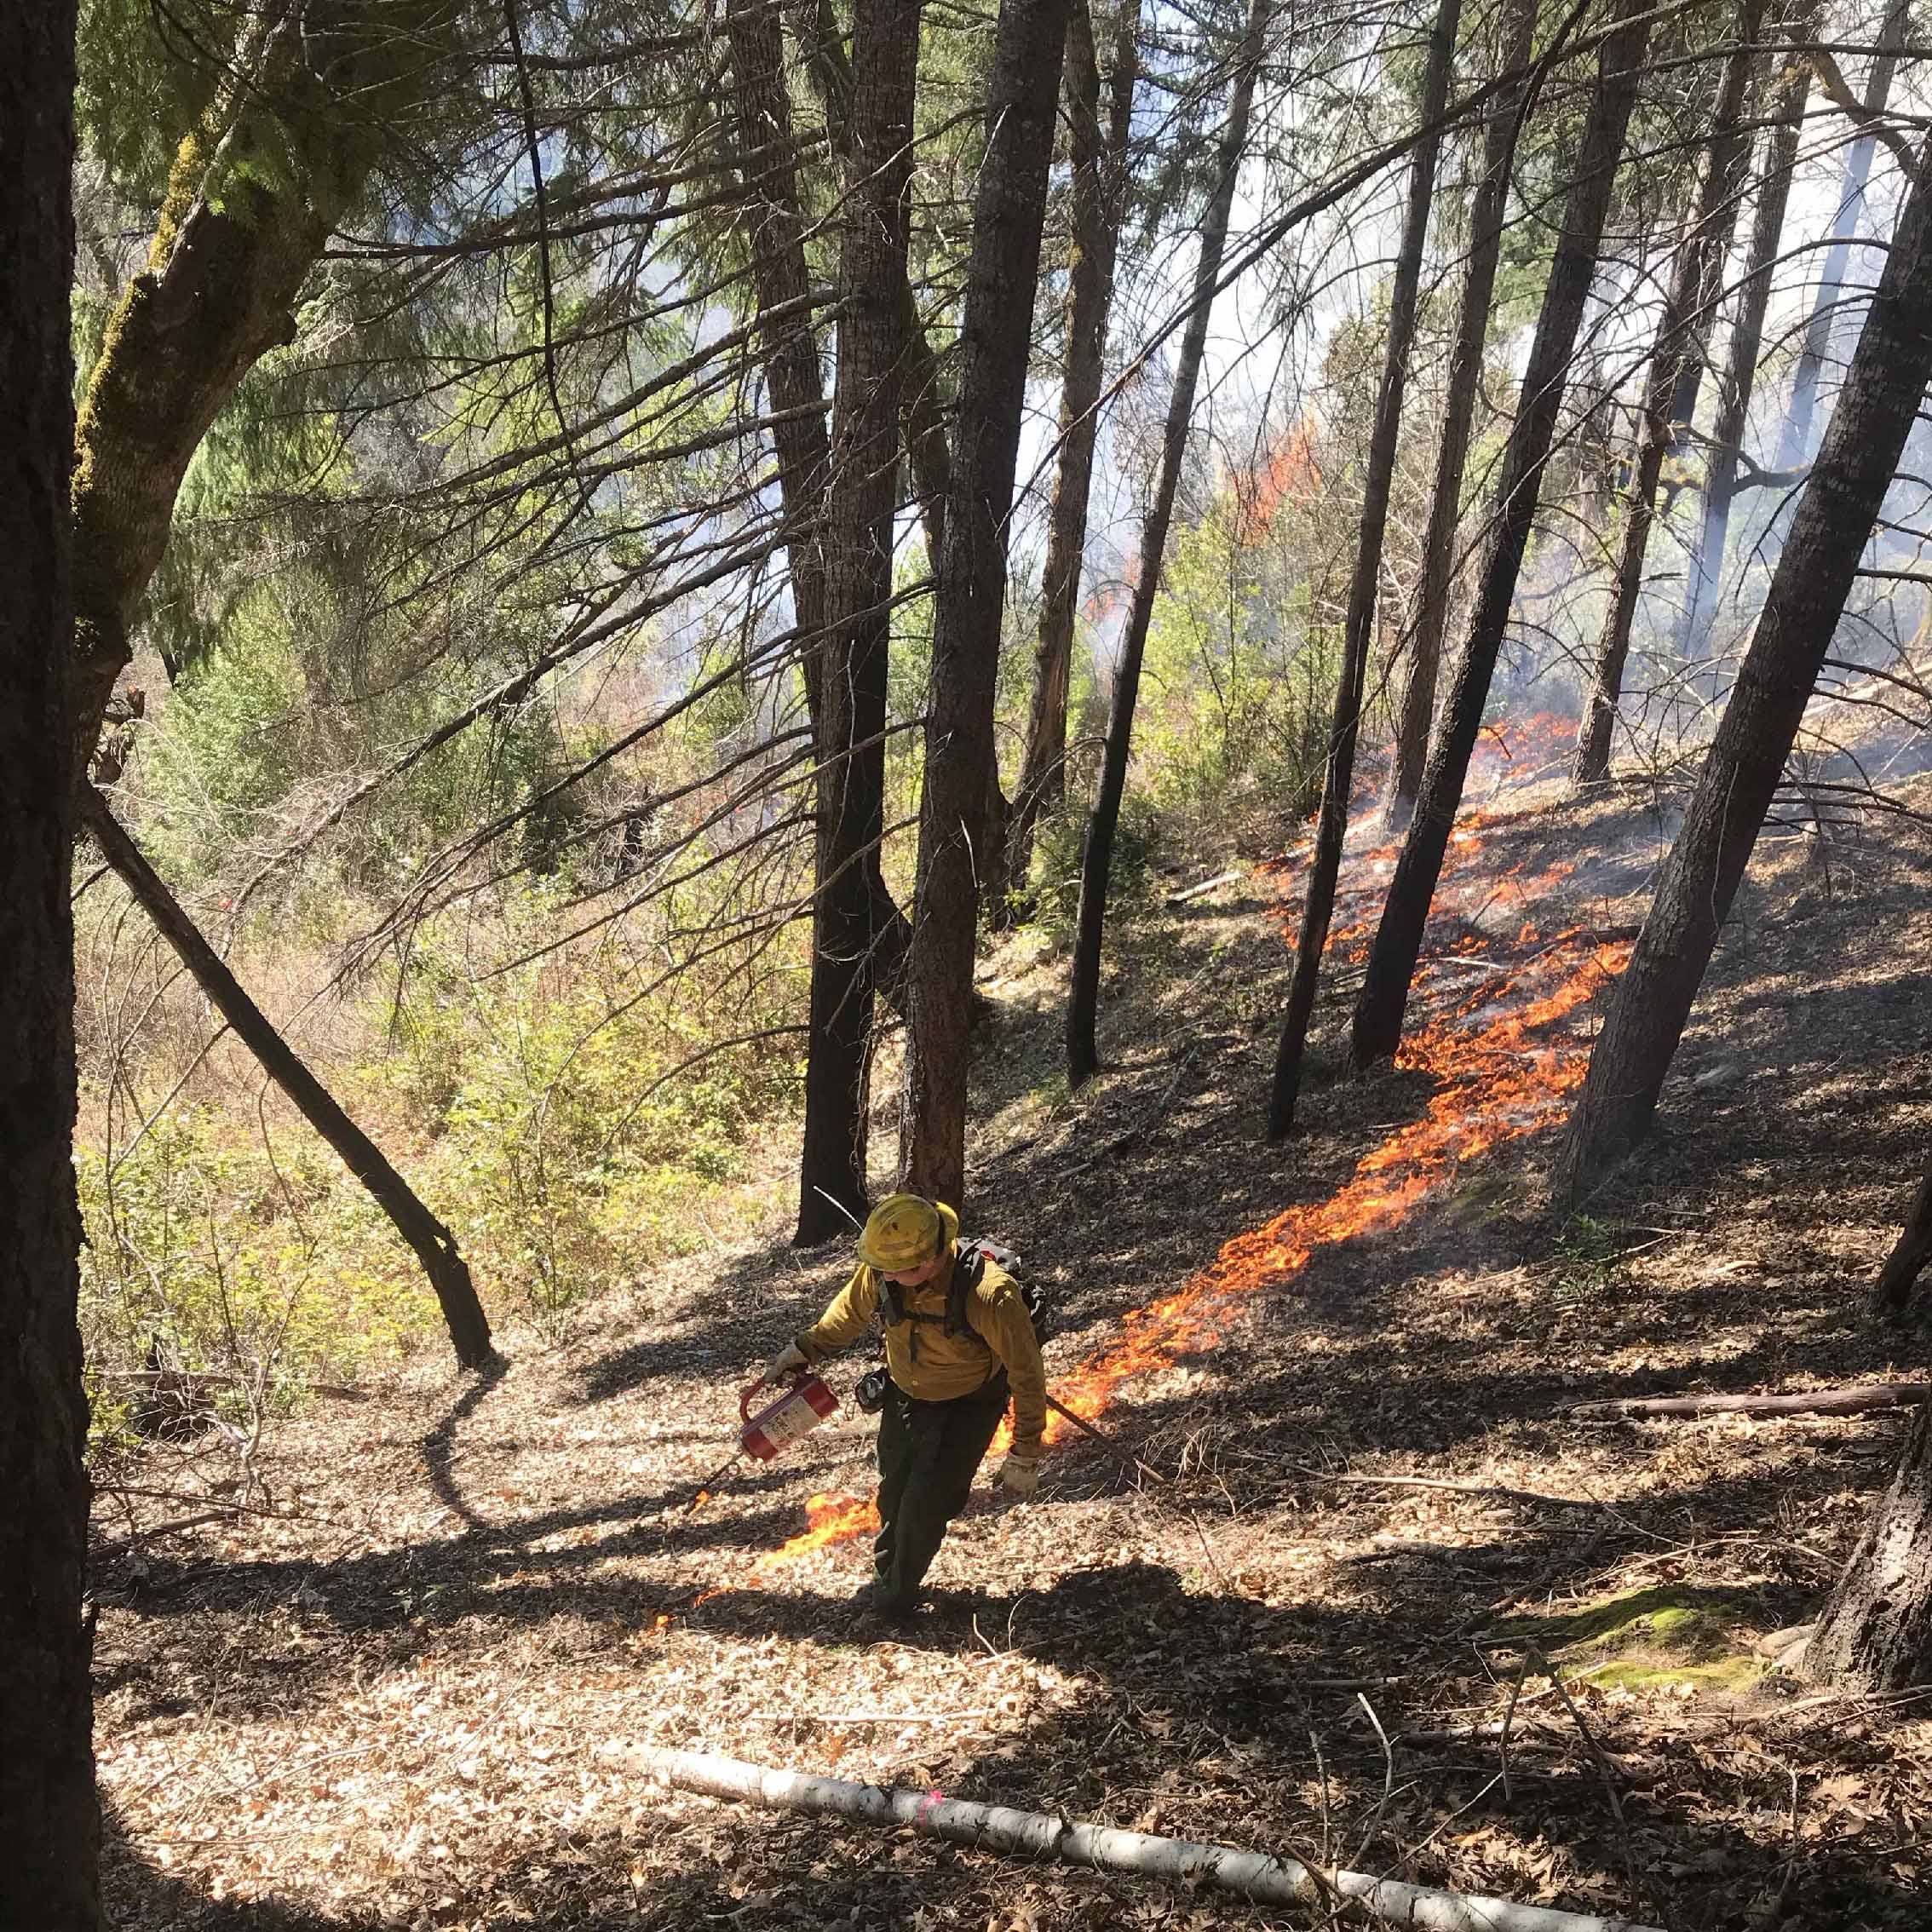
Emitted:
pixel 933 1366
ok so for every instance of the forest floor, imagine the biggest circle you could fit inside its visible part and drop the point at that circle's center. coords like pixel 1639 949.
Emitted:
pixel 402 1700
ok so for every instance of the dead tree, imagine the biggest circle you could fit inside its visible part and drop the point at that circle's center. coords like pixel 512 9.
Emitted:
pixel 1385 997
pixel 1676 372
pixel 431 1242
pixel 50 1818
pixel 1009 211
pixel 1097 198
pixel 1338 775
pixel 1725 459
pixel 1834 520
pixel 1464 385
pixel 1796 446
pixel 1097 856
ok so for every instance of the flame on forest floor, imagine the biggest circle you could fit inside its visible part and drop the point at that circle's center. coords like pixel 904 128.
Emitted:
pixel 828 1519
pixel 1502 1077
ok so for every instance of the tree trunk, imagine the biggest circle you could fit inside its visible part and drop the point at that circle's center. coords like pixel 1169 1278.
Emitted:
pixel 922 425
pixel 1001 271
pixel 1676 372
pixel 1832 524
pixel 254 194
pixel 1795 450
pixel 50 1817
pixel 1706 561
pixel 788 343
pixel 1876 1631
pixel 1096 853
pixel 855 920
pixel 1486 209
pixel 433 1244
pixel 1910 1253
pixel 1384 998
pixel 1332 821
pixel 860 505
pixel 1098 195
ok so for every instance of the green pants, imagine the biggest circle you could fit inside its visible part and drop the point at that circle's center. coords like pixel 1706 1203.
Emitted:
pixel 928 1454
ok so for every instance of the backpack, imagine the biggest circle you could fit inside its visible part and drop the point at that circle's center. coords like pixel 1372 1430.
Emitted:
pixel 966 1273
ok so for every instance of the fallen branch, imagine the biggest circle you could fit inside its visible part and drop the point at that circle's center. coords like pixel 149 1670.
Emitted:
pixel 1853 1401
pixel 993 1827
pixel 1204 887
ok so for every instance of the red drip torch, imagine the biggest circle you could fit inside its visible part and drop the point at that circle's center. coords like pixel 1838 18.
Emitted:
pixel 796 1412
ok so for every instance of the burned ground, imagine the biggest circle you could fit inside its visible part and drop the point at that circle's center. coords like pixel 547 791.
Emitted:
pixel 402 1700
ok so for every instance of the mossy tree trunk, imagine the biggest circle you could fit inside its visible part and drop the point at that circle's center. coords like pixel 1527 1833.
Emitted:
pixel 315 92
pixel 50 1817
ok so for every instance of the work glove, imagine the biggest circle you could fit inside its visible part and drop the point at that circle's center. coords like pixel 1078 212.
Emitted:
pixel 1019 1476
pixel 789 1358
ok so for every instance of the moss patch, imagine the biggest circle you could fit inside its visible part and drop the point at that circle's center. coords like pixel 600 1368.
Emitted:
pixel 1652 1638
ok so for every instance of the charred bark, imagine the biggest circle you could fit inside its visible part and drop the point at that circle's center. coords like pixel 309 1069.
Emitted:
pixel 1096 852
pixel 433 1244
pixel 1009 211
pixel 50 1817
pixel 1099 192
pixel 1796 444
pixel 1486 209
pixel 1676 374
pixel 1338 775
pixel 1876 1631
pixel 1706 563
pixel 859 507
pixel 1384 998
pixel 1834 520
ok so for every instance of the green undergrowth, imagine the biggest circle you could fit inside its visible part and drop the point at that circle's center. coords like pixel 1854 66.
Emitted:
pixel 1652 1638
pixel 570 1137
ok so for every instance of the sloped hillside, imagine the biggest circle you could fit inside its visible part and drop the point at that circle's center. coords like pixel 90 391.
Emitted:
pixel 1346 1582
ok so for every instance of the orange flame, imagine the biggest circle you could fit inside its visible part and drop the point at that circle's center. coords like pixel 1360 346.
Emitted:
pixel 1499 1084
pixel 832 1519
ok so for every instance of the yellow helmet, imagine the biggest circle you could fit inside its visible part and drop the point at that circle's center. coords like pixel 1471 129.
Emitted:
pixel 907 1231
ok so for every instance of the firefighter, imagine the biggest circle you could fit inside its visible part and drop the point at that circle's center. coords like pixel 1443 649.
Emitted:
pixel 950 1384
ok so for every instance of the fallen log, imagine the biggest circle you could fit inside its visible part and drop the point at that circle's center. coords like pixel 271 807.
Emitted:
pixel 1853 1401
pixel 994 1827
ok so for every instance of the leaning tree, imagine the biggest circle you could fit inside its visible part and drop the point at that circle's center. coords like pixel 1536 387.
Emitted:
pixel 1883 391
